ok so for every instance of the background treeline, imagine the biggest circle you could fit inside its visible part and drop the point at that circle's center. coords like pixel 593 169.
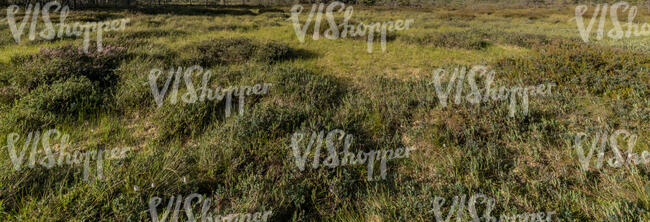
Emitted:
pixel 392 3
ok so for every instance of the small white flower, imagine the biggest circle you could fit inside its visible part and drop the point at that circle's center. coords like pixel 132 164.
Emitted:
pixel 135 188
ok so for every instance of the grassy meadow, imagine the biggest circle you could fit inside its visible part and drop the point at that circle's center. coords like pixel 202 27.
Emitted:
pixel 527 163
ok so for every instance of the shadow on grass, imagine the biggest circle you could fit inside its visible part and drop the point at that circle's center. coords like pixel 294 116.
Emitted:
pixel 203 10
pixel 179 10
pixel 302 54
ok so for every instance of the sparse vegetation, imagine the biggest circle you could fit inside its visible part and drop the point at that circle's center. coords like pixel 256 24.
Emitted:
pixel 385 99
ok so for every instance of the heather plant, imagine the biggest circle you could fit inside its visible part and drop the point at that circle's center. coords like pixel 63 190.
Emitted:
pixel 51 65
pixel 58 82
pixel 146 34
pixel 468 39
pixel 185 119
pixel 597 70
pixel 244 163
pixel 235 51
pixel 53 103
pixel 480 38
pixel 233 27
pixel 522 39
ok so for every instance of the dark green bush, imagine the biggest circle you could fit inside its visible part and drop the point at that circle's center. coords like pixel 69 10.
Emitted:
pixel 51 65
pixel 232 27
pixel 53 103
pixel 272 51
pixel 7 94
pixel 234 51
pixel 55 85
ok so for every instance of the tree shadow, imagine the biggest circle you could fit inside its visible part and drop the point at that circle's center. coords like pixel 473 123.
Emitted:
pixel 203 10
pixel 174 9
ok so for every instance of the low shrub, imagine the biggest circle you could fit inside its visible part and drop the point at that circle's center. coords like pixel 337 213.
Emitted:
pixel 54 103
pixel 467 39
pixel 147 34
pixel 523 39
pixel 480 38
pixel 272 51
pixel 463 15
pixel 235 51
pixel 55 84
pixel 304 89
pixel 232 27
pixel 595 68
pixel 58 64
pixel 529 14
pixel 181 119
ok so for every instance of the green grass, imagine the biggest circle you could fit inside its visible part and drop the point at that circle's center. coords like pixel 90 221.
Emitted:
pixel 526 163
